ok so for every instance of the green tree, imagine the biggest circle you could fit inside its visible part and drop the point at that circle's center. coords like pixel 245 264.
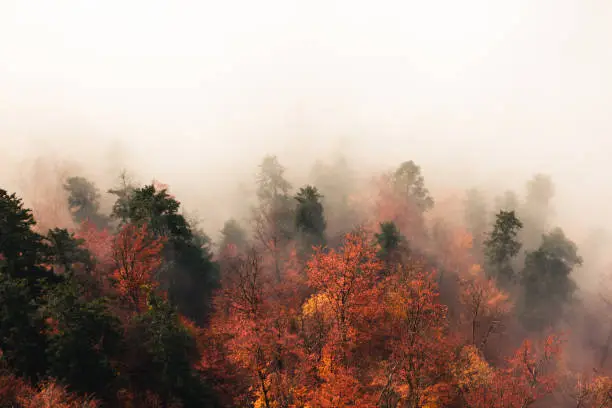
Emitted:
pixel 408 182
pixel 389 239
pixel 22 339
pixel 547 280
pixel 274 217
pixel 23 251
pixel 123 192
pixel 84 201
pixel 188 273
pixel 67 253
pixel 160 346
pixel 233 234
pixel 502 246
pixel 83 340
pixel 309 218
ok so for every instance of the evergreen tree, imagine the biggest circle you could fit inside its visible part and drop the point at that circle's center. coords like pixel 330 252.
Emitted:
pixel 547 279
pixel 188 273
pixel 309 218
pixel 83 339
pixel 233 234
pixel 502 246
pixel 84 201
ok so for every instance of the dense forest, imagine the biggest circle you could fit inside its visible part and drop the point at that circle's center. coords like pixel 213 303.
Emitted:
pixel 327 295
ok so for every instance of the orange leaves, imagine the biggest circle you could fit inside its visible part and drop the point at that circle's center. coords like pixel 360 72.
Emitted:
pixel 346 277
pixel 137 255
pixel 98 242
pixel 485 305
pixel 530 376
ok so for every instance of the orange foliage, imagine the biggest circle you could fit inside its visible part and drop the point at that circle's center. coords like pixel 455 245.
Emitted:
pixel 137 255
pixel 347 279
pixel 486 306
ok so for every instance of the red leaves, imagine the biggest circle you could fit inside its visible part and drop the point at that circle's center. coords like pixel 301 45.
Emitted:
pixel 136 255
pixel 347 278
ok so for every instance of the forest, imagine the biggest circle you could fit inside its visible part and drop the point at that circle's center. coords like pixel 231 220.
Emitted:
pixel 327 295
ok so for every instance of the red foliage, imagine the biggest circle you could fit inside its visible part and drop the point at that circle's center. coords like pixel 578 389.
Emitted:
pixel 346 279
pixel 137 256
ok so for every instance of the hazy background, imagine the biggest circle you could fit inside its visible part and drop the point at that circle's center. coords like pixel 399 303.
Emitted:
pixel 194 93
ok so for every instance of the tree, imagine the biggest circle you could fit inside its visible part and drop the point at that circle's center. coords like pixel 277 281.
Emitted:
pixel 22 339
pixel 161 346
pixel 547 279
pixel 233 234
pixel 530 375
pixel 346 277
pixel 476 219
pixel 83 340
pixel 501 246
pixel 121 208
pixel 274 217
pixel 309 218
pixel 67 252
pixel 188 272
pixel 23 250
pixel 404 200
pixel 389 240
pixel 84 201
pixel 137 257
pixel 408 182
pixel 486 307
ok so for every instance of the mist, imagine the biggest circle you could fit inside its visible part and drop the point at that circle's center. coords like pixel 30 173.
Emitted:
pixel 194 94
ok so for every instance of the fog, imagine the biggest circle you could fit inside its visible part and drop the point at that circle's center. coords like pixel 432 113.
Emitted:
pixel 194 93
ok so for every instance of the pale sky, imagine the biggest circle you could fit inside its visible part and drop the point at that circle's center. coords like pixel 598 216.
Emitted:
pixel 478 89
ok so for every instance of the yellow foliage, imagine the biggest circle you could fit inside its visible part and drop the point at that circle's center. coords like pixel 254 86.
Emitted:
pixel 471 368
pixel 317 304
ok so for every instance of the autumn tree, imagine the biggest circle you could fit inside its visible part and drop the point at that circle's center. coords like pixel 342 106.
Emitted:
pixel 501 246
pixel 486 307
pixel 529 376
pixel 137 256
pixel 254 321
pixel 346 278
pixel 547 280
pixel 188 272
pixel 415 371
